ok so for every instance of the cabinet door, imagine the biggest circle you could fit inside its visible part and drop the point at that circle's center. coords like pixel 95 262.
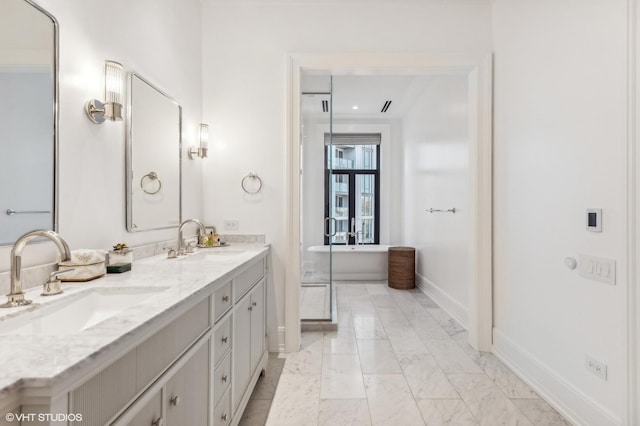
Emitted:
pixel 187 392
pixel 241 349
pixel 257 325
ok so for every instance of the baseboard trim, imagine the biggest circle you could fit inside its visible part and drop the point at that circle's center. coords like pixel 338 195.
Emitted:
pixel 568 400
pixel 281 347
pixel 444 300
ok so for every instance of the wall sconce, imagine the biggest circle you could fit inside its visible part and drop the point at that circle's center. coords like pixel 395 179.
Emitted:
pixel 111 108
pixel 204 144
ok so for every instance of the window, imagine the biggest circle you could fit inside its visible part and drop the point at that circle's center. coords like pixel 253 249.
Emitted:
pixel 352 190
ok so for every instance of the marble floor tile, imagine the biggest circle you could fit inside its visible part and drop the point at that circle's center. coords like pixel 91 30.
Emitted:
pixel 445 412
pixel 539 412
pixel 341 364
pixel 296 402
pixel 396 359
pixel 405 340
pixel 426 326
pixel 425 378
pixel 486 402
pixel 307 361
pixel 314 302
pixel 462 339
pixel 368 327
pixel 342 341
pixel 341 377
pixel 392 317
pixel 377 289
pixel 344 412
pixel 451 358
pixel 390 400
pixel 377 356
pixel 505 379
pixel 450 325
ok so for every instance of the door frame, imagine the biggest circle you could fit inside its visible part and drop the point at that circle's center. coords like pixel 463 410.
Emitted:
pixel 478 69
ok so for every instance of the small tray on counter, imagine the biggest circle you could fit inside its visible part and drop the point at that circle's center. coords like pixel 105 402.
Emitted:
pixel 218 246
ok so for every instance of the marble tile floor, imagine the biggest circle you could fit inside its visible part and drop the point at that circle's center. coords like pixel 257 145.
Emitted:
pixel 398 359
pixel 314 301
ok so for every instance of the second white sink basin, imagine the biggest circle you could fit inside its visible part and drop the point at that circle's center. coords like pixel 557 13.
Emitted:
pixel 77 312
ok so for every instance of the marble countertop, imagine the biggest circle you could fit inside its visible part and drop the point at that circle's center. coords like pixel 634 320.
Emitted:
pixel 49 360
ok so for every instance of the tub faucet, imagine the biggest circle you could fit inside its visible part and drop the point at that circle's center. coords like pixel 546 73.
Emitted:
pixel 181 245
pixel 16 296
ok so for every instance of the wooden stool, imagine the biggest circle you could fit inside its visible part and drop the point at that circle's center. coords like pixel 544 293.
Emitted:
pixel 402 267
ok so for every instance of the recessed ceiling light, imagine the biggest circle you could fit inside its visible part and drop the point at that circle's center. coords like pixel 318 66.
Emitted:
pixel 354 107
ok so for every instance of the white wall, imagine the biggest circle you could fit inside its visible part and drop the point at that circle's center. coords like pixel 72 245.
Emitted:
pixel 245 47
pixel 560 110
pixel 436 175
pixel 160 41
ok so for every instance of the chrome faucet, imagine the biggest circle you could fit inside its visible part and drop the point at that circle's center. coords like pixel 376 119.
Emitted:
pixel 181 245
pixel 16 296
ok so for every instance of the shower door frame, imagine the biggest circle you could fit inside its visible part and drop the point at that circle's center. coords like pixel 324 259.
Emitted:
pixel 478 69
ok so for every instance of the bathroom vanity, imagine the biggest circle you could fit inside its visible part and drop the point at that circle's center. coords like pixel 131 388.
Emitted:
pixel 173 342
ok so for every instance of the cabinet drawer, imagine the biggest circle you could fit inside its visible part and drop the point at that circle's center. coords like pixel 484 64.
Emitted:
pixel 247 279
pixel 221 379
pixel 157 352
pixel 221 300
pixel 222 412
pixel 144 412
pixel 222 341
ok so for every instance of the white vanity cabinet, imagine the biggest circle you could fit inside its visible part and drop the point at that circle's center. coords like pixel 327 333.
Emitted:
pixel 246 357
pixel 194 364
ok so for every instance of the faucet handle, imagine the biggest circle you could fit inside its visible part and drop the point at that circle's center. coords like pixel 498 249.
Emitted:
pixel 53 286
pixel 190 247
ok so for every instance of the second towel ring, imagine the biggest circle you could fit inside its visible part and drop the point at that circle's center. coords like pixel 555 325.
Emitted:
pixel 153 176
pixel 251 188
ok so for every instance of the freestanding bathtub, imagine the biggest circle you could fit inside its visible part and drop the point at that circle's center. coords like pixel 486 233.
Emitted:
pixel 351 263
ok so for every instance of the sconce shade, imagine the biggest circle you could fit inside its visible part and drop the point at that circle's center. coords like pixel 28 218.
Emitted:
pixel 111 108
pixel 200 151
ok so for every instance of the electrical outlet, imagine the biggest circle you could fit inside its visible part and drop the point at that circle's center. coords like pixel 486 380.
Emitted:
pixel 231 224
pixel 596 367
pixel 597 268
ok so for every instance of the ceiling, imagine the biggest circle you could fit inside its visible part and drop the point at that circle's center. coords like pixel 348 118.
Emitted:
pixel 368 93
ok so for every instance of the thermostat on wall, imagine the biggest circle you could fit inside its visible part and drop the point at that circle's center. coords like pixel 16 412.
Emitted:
pixel 594 220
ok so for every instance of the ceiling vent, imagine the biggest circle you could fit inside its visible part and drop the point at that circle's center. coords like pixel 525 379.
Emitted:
pixel 386 106
pixel 325 106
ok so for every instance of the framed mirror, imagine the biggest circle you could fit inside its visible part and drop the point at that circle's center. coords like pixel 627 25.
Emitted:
pixel 28 119
pixel 154 139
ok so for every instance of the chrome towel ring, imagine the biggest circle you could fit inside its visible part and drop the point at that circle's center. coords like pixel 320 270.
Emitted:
pixel 152 177
pixel 251 183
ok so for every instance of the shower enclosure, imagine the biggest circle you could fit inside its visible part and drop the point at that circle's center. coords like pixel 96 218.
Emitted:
pixel 319 221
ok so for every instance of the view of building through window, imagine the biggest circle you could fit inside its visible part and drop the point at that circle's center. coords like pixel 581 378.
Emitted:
pixel 351 190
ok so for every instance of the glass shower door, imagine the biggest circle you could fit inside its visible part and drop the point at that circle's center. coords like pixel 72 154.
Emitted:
pixel 319 214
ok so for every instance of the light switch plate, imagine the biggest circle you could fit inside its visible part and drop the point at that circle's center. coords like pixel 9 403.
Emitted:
pixel 597 268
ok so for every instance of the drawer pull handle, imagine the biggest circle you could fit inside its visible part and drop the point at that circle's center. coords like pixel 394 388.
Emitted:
pixel 250 308
pixel 157 422
pixel 225 339
pixel 224 378
pixel 225 298
pixel 224 417
pixel 175 400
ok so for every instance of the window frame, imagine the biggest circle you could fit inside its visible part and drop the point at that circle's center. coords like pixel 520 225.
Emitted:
pixel 351 174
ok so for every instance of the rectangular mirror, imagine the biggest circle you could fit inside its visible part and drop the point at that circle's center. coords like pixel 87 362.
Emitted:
pixel 154 138
pixel 28 119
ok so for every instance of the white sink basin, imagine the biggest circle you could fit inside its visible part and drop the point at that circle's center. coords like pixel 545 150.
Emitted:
pixel 78 312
